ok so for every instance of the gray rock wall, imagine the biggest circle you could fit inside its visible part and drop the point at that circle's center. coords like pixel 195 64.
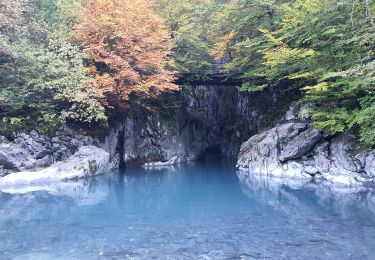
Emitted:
pixel 209 117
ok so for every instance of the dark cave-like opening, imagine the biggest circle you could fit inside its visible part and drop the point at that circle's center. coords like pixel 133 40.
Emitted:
pixel 211 153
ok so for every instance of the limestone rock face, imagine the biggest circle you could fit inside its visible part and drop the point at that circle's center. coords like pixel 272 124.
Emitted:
pixel 87 161
pixel 138 140
pixel 295 149
pixel 210 117
pixel 13 157
pixel 370 164
pixel 31 150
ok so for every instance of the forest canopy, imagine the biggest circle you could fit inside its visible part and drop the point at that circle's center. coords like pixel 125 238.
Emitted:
pixel 81 61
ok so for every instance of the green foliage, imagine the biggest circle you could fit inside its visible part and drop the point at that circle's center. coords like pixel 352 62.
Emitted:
pixel 189 25
pixel 238 29
pixel 326 49
pixel 323 49
pixel 43 78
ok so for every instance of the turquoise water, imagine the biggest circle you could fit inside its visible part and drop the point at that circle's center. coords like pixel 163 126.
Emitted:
pixel 202 210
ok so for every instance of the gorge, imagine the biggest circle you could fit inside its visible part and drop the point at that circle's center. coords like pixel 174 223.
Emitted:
pixel 196 119
pixel 187 129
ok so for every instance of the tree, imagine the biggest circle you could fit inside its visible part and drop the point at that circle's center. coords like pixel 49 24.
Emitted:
pixel 189 23
pixel 327 48
pixel 238 26
pixel 43 78
pixel 129 47
pixel 10 22
pixel 321 49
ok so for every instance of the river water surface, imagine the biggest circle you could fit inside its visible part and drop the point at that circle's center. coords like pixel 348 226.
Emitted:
pixel 203 210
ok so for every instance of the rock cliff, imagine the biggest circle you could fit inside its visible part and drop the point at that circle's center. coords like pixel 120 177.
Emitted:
pixel 206 117
pixel 177 127
pixel 185 124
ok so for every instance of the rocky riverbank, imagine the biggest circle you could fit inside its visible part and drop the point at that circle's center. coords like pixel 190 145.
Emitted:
pixel 295 149
pixel 33 151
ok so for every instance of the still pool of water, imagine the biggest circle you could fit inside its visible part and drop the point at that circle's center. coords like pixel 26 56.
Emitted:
pixel 202 210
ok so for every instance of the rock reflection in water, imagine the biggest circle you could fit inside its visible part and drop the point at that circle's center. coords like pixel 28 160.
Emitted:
pixel 287 194
pixel 195 211
pixel 92 191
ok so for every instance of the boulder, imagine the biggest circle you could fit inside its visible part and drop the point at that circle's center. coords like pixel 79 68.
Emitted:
pixel 299 145
pixel 15 158
pixel 29 151
pixel 37 146
pixel 87 161
pixel 297 150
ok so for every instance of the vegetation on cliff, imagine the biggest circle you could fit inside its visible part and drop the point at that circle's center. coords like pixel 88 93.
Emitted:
pixel 81 60
pixel 325 49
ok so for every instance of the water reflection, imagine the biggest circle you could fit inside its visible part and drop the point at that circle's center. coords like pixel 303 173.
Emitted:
pixel 195 211
pixel 124 190
pixel 164 187
pixel 288 194
pixel 83 192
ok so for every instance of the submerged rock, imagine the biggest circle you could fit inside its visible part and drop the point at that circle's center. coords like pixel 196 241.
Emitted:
pixel 295 149
pixel 176 159
pixel 87 161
